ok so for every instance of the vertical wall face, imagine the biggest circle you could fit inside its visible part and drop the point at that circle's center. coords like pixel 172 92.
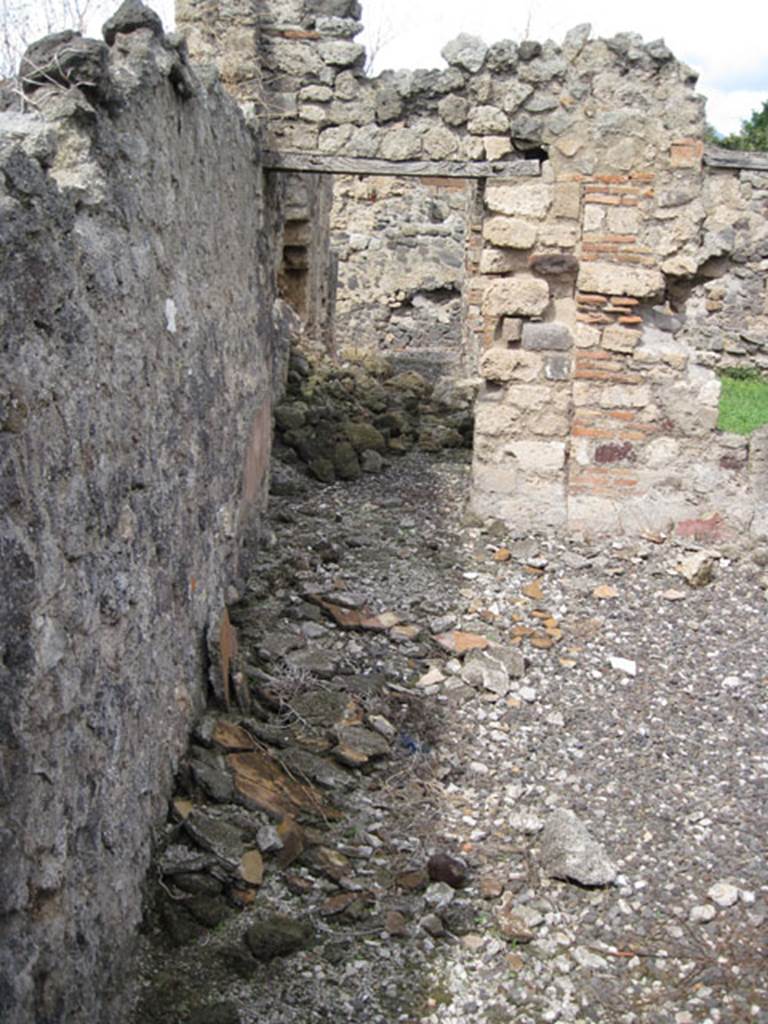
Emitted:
pixel 137 348
pixel 260 62
pixel 401 247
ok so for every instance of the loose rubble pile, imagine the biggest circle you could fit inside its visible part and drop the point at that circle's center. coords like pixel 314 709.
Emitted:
pixel 475 776
pixel 341 420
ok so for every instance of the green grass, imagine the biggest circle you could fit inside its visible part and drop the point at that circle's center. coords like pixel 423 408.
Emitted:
pixel 743 402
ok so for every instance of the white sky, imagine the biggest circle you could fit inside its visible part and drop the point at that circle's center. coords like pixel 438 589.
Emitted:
pixel 726 43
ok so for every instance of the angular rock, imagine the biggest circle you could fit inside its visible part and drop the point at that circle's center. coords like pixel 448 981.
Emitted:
pixel 517 922
pixel 487 120
pixel 465 51
pixel 130 16
pixel 278 935
pixel 216 836
pixel 443 867
pixel 697 568
pixel 454 110
pixel 483 669
pixel 570 853
pixel 357 746
pixel 65 59
pixel 439 895
pixel 724 894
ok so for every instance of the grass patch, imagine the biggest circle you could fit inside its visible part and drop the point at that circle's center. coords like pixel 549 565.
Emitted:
pixel 743 401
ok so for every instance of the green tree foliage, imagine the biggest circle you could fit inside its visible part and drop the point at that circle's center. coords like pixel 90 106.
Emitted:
pixel 753 134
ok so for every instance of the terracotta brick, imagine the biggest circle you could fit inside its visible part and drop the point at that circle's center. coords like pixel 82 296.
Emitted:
pixel 590 300
pixel 602 199
pixel 296 33
pixel 596 432
pixel 593 318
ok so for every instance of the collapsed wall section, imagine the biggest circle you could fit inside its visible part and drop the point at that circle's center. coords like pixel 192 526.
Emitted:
pixel 139 353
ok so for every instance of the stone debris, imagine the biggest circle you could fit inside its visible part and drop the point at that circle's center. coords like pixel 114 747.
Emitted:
pixel 625 665
pixel 443 867
pixel 724 894
pixel 697 568
pixel 277 935
pixel 394 800
pixel 570 853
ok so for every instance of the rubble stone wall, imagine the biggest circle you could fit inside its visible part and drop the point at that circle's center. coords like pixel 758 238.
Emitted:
pixel 592 281
pixel 140 353
pixel 401 246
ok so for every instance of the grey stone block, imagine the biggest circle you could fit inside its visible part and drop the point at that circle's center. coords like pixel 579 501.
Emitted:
pixel 546 337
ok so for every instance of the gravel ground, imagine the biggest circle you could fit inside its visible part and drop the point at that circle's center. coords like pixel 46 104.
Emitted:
pixel 641 708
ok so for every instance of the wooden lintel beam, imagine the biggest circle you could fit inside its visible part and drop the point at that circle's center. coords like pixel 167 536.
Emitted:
pixel 322 164
pixel 736 159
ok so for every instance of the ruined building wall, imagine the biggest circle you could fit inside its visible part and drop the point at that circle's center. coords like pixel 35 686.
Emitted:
pixel 136 321
pixel 401 247
pixel 236 37
pixel 591 287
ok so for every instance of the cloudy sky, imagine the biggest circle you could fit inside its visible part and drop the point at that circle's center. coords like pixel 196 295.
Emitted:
pixel 727 43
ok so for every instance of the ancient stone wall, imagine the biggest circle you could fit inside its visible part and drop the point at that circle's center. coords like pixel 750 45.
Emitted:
pixel 593 280
pixel 140 348
pixel 401 246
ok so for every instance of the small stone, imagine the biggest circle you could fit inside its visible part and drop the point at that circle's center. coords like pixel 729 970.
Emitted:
pixel 517 923
pixel 629 668
pixel 251 868
pixel 482 669
pixel 278 935
pixel 697 569
pixel 216 836
pixel 357 746
pixel 412 881
pixel 468 52
pixel 528 694
pixel 268 839
pixel 396 924
pixel 702 914
pixel 443 867
pixel 526 821
pixel 570 853
pixel 439 895
pixel 491 887
pixel 724 894
pixel 432 925
pixel 588 959
pixel 371 461
pixel 382 726
pixel 457 642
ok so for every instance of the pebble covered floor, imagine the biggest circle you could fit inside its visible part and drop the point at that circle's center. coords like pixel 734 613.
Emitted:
pixel 609 687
